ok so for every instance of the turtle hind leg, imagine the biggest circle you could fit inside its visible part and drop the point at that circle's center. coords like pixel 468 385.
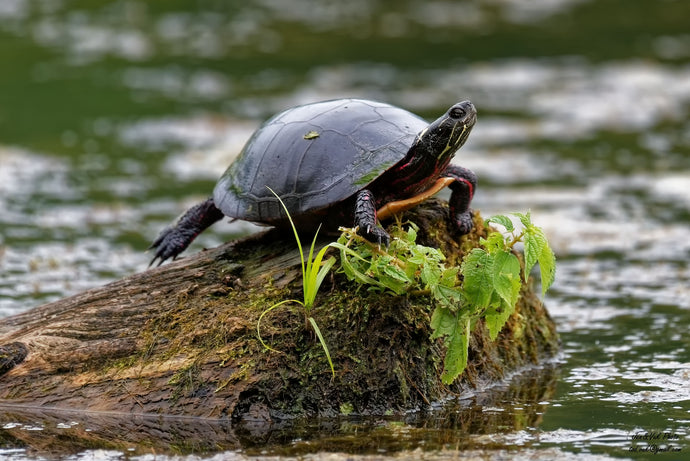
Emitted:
pixel 461 196
pixel 175 239
pixel 365 218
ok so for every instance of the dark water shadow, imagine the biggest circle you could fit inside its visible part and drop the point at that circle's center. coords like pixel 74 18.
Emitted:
pixel 510 406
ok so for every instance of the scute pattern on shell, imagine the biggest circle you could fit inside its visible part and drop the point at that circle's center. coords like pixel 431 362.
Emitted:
pixel 357 141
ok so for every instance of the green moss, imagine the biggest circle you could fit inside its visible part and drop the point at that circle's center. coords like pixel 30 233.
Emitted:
pixel 346 408
pixel 373 174
pixel 185 382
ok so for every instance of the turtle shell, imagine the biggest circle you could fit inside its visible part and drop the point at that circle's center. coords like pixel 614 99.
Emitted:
pixel 314 156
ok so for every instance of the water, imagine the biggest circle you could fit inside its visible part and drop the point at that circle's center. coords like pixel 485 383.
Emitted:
pixel 114 117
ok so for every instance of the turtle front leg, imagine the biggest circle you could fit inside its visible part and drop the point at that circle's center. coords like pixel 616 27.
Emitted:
pixel 365 218
pixel 461 196
pixel 175 239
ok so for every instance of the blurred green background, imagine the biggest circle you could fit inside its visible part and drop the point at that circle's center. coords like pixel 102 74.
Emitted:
pixel 117 115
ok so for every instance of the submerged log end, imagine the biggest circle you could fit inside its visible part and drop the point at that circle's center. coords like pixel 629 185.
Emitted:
pixel 182 339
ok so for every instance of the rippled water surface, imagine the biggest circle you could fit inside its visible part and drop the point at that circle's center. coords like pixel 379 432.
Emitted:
pixel 117 115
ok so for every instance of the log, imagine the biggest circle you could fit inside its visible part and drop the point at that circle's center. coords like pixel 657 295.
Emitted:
pixel 182 339
pixel 66 432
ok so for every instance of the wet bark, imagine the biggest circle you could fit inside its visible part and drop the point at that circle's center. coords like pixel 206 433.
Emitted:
pixel 64 433
pixel 181 339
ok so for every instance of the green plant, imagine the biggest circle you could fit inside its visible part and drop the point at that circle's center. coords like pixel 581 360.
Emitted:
pixel 486 285
pixel 313 273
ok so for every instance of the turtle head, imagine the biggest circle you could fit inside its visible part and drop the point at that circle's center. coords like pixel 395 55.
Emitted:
pixel 448 133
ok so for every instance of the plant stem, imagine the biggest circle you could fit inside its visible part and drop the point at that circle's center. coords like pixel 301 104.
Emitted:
pixel 515 240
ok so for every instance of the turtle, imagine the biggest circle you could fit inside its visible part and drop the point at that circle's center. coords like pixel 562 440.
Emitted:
pixel 342 162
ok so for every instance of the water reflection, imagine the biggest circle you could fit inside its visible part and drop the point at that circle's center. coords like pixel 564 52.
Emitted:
pixel 515 405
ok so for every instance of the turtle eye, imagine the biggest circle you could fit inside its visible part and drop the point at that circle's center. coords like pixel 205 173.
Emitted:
pixel 457 112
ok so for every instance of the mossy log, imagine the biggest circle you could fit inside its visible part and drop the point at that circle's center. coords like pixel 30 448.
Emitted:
pixel 181 339
pixel 455 424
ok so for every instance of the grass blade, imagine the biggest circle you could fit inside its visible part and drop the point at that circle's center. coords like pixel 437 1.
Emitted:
pixel 324 270
pixel 310 262
pixel 323 343
pixel 309 285
pixel 315 275
pixel 258 322
pixel 294 230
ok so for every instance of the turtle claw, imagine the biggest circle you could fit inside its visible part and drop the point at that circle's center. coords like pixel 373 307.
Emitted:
pixel 464 222
pixel 377 235
pixel 170 243
pixel 175 239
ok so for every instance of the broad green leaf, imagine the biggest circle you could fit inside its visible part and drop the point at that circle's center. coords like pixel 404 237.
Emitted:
pixel 490 275
pixel 477 270
pixel 411 270
pixel 411 234
pixel 352 272
pixel 431 274
pixel 395 286
pixel 456 355
pixel 449 276
pixel 435 254
pixel 537 250
pixel 395 272
pixel 447 296
pixel 525 218
pixel 496 317
pixel 428 253
pixel 443 322
pixel 506 276
pixel 393 278
pixel 417 257
pixel 532 248
pixel 455 332
pixel 504 221
pixel 547 266
pixel 495 242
